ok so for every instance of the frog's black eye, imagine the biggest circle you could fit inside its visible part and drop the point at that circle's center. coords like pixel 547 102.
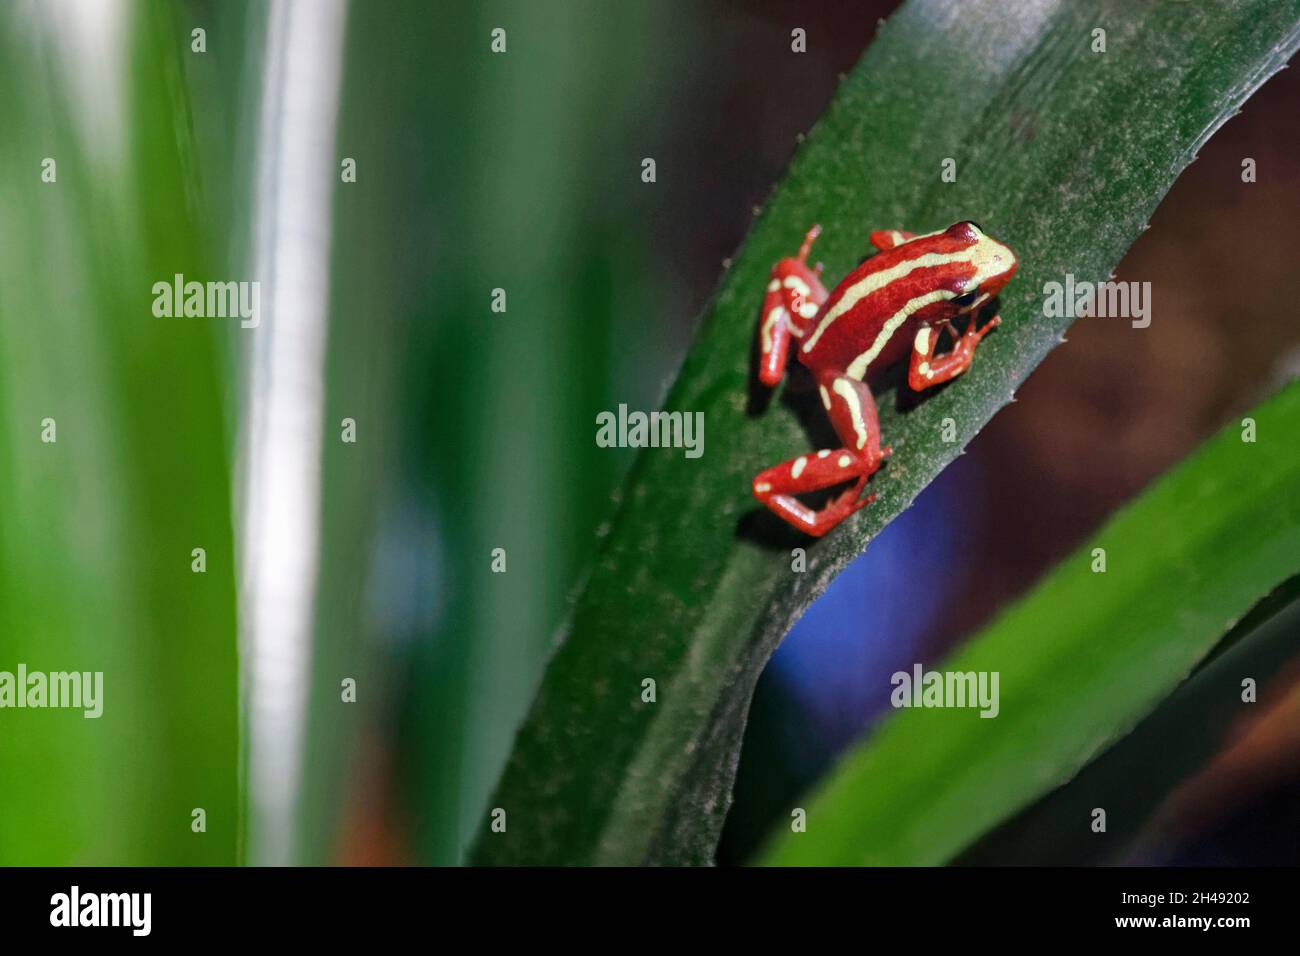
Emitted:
pixel 975 224
pixel 966 298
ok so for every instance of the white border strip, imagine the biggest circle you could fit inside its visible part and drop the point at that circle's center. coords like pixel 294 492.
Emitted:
pixel 281 444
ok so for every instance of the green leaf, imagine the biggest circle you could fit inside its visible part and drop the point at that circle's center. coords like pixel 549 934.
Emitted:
pixel 495 451
pixel 99 525
pixel 1202 718
pixel 1062 153
pixel 1081 659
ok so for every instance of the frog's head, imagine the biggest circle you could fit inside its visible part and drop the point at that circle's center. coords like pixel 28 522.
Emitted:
pixel 991 266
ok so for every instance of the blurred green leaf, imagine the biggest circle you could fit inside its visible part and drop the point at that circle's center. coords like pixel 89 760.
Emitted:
pixel 1081 659
pixel 99 526
pixel 1193 724
pixel 541 145
pixel 1061 152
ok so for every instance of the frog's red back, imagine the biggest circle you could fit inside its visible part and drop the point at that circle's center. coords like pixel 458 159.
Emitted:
pixel 870 319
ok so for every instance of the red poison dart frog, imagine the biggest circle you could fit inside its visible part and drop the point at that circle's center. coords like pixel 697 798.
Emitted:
pixel 895 302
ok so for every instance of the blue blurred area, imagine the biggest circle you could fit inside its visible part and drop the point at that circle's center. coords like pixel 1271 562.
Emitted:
pixel 874 618
pixel 828 682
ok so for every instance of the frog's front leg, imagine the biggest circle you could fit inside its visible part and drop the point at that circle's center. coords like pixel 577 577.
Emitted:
pixel 925 371
pixel 852 412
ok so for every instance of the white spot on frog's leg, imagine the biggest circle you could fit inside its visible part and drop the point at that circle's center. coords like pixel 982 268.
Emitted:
pixel 845 391
pixel 844 461
pixel 799 464
pixel 794 282
pixel 826 397
pixel 762 487
pixel 775 315
pixel 808 309
pixel 922 344
pixel 774 285
pixel 823 453
pixel 924 369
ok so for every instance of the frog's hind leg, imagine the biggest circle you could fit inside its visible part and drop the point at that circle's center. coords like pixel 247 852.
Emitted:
pixel 852 411
pixel 776 487
pixel 794 294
